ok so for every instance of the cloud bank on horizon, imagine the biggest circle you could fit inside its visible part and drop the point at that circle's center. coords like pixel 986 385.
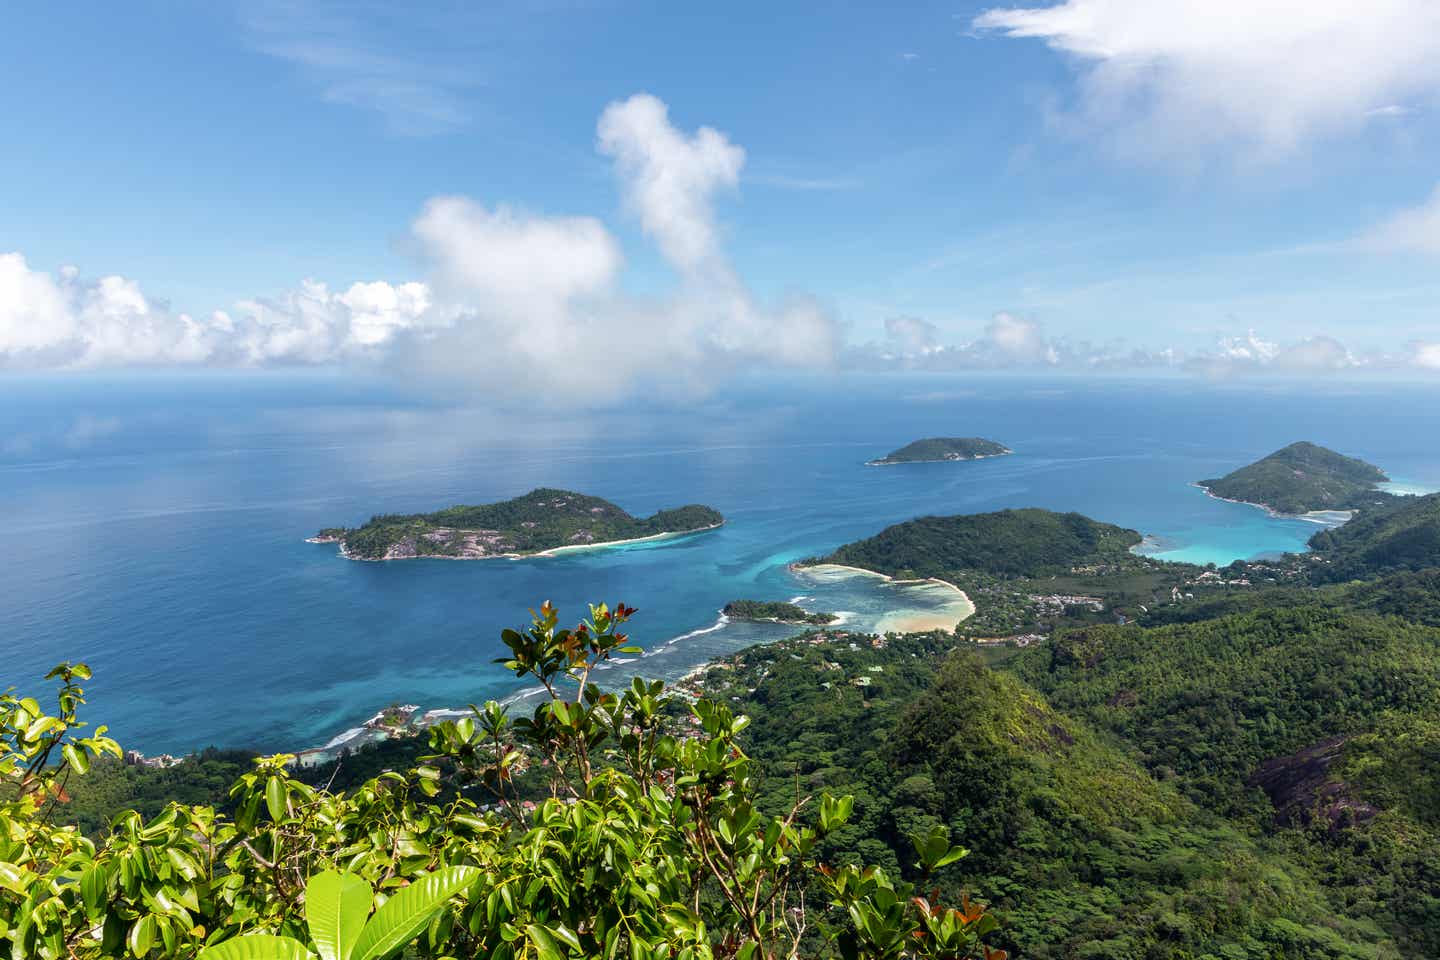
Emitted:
pixel 509 296
pixel 1011 342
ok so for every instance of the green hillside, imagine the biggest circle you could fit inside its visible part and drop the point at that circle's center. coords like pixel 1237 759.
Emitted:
pixel 540 520
pixel 1028 542
pixel 1081 851
pixel 1402 534
pixel 1300 478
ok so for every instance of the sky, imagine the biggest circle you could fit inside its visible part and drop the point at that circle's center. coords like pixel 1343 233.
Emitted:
pixel 683 193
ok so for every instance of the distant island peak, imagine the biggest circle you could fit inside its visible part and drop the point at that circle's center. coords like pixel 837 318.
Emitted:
pixel 542 521
pixel 1302 478
pixel 939 449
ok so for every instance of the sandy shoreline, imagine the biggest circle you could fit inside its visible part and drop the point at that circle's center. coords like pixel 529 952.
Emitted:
pixel 550 552
pixel 896 463
pixel 1335 517
pixel 913 622
pixel 570 548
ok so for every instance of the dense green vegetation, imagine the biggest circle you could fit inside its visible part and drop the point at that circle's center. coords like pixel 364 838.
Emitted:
pixel 1401 534
pixel 540 520
pixel 646 843
pixel 1300 478
pixel 774 610
pixel 944 448
pixel 1181 764
pixel 1029 542
pixel 1079 847
pixel 1243 688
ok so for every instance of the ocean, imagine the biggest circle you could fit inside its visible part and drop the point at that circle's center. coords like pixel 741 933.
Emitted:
pixel 154 525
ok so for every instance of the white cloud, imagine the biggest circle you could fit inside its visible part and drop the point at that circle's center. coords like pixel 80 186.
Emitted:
pixel 1416 230
pixel 670 179
pixel 912 336
pixel 1251 353
pixel 1011 342
pixel 62 320
pixel 66 321
pixel 1018 340
pixel 517 302
pixel 1270 75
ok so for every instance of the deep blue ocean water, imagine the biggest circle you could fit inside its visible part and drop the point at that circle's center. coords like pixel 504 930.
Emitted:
pixel 155 526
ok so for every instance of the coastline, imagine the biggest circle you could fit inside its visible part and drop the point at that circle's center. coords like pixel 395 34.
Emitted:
pixel 899 622
pixel 883 462
pixel 917 623
pixel 548 552
pixel 1322 517
pixel 572 547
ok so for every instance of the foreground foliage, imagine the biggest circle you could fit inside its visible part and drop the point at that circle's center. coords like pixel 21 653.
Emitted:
pixel 647 844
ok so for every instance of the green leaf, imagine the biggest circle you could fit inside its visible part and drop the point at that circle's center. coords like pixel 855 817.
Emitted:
pixel 93 883
pixel 79 760
pixel 545 946
pixel 142 935
pixel 336 905
pixel 257 946
pixel 405 914
pixel 275 797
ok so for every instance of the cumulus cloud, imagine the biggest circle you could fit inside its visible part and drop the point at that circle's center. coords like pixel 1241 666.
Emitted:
pixel 1270 75
pixel 912 336
pixel 1008 341
pixel 670 179
pixel 511 299
pixel 1252 353
pixel 63 320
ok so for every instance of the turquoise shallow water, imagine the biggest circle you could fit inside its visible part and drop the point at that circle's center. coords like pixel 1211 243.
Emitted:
pixel 155 527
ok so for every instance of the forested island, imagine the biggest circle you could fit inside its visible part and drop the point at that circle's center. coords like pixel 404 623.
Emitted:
pixel 777 611
pixel 1302 478
pixel 937 449
pixel 1025 542
pixel 540 521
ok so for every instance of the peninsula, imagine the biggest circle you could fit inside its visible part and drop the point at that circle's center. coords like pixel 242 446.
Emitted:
pixel 775 611
pixel 1302 478
pixel 936 449
pixel 540 522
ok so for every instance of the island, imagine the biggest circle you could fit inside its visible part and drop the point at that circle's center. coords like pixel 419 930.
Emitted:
pixel 1029 542
pixel 1302 478
pixel 1024 571
pixel 938 449
pixel 543 521
pixel 775 611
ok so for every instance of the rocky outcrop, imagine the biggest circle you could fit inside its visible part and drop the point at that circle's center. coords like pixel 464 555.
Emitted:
pixel 1302 790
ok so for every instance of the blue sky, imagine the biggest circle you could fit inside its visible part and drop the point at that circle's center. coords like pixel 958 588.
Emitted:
pixel 931 186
